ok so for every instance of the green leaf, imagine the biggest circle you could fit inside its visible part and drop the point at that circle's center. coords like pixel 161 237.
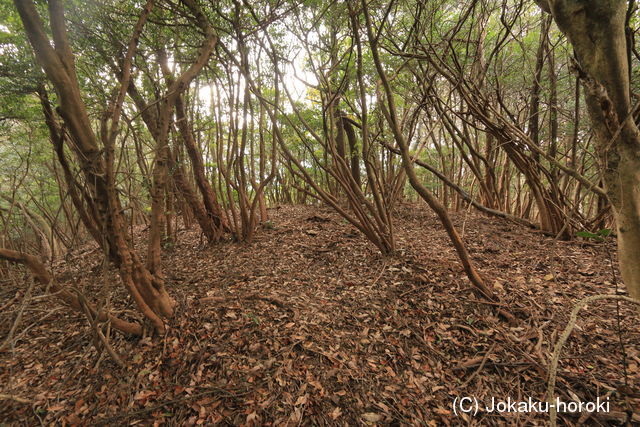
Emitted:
pixel 589 235
pixel 605 232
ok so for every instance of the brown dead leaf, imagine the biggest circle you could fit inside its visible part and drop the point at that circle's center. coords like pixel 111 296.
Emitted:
pixel 371 417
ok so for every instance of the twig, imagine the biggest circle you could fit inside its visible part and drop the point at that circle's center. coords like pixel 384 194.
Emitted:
pixel 25 330
pixel 384 266
pixel 93 322
pixel 496 304
pixel 477 371
pixel 212 390
pixel 563 339
pixel 618 322
pixel 16 323
pixel 12 397
pixel 417 288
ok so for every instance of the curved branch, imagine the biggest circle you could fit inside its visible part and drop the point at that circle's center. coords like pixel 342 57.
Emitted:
pixel 42 275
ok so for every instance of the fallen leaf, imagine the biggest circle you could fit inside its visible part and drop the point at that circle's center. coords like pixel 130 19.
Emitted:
pixel 372 417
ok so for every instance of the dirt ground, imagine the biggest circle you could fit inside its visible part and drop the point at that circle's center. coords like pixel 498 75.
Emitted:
pixel 310 325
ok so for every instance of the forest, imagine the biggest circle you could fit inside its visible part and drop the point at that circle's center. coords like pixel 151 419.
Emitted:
pixel 303 212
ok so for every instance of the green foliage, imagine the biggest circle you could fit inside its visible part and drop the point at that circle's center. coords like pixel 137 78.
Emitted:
pixel 318 40
pixel 599 236
pixel 269 225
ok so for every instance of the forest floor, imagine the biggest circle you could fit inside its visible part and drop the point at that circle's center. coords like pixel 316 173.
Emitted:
pixel 310 325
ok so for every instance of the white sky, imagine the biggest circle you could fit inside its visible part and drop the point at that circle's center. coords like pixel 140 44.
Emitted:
pixel 294 74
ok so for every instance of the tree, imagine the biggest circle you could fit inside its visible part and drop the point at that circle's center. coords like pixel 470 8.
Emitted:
pixel 597 31
pixel 58 62
pixel 388 106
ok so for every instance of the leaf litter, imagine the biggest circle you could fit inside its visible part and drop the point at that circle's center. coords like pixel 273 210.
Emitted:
pixel 309 324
